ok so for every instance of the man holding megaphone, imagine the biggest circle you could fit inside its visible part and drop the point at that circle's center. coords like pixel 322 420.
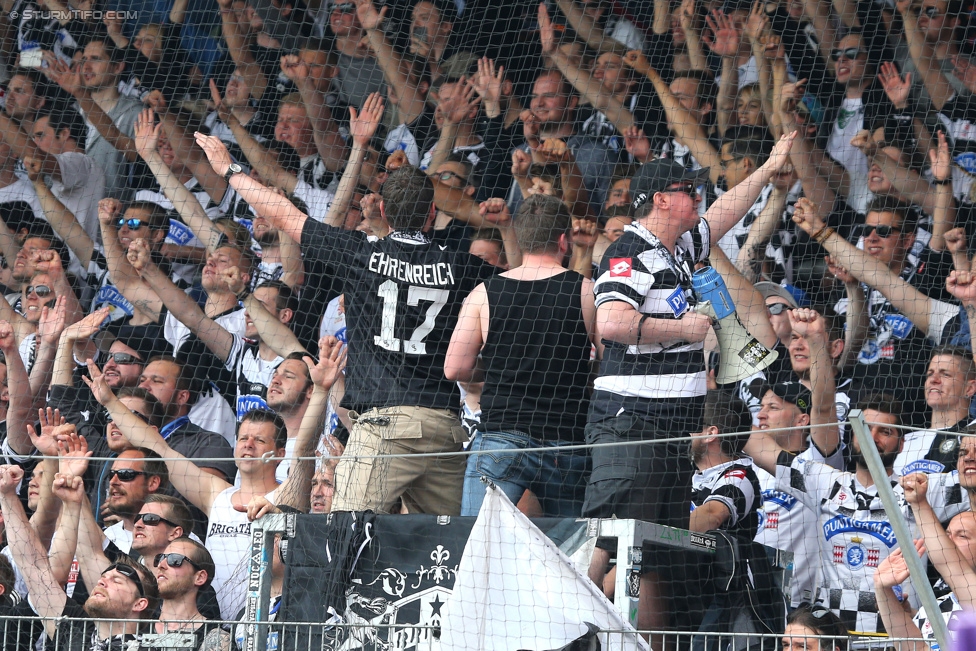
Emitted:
pixel 652 381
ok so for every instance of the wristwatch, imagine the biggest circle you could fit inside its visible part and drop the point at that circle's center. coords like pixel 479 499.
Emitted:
pixel 232 170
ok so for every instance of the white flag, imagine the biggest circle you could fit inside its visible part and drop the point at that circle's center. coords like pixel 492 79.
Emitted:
pixel 515 589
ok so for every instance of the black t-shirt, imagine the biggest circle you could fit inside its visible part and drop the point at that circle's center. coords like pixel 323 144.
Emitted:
pixel 402 296
pixel 77 632
pixel 19 632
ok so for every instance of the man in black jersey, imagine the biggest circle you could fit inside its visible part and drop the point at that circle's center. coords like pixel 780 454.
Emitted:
pixel 532 328
pixel 403 296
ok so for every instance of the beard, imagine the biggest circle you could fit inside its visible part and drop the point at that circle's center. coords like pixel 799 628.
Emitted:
pixel 268 238
pixel 887 460
pixel 173 588
pixel 103 608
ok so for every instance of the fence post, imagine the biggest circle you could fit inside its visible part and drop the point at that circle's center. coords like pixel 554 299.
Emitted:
pixel 258 599
pixel 919 578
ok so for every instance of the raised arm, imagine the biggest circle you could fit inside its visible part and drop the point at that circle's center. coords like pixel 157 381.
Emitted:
pixel 753 252
pixel 187 205
pixel 185 149
pixel 236 38
pixel 295 492
pixel 582 80
pixel 282 214
pixel 944 215
pixel 587 28
pixel 804 153
pixel 395 69
pixel 199 487
pixel 895 611
pixel 47 596
pixel 728 209
pixel 764 450
pixel 124 277
pixel 325 132
pixel 61 219
pixel 259 157
pixel 923 56
pixel 18 386
pixel 906 299
pixel 685 126
pixel 824 433
pixel 362 128
pixel 945 556
pixel 272 331
pixel 69 80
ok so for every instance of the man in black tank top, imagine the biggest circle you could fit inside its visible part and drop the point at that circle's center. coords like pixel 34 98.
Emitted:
pixel 533 327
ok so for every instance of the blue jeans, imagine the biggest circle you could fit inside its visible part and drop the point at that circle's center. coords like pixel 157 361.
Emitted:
pixel 557 477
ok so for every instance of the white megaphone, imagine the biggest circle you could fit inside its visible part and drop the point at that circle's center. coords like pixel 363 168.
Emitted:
pixel 742 354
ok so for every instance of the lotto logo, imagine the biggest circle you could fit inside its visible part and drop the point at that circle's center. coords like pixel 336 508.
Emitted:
pixel 772 520
pixel 874 556
pixel 620 267
pixel 838 553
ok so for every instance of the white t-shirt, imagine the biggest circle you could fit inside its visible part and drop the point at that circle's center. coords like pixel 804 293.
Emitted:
pixel 850 120
pixel 229 543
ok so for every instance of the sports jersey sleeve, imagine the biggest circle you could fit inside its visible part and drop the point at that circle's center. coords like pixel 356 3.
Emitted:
pixel 624 279
pixel 808 481
pixel 332 246
pixel 736 492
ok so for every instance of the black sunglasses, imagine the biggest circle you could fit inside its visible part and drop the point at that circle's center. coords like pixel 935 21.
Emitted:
pixel 128 572
pixel 777 308
pixel 883 230
pixel 126 475
pixel 848 53
pixel 686 188
pixel 109 419
pixel 151 520
pixel 42 291
pixel 124 358
pixel 133 224
pixel 174 560
pixel 931 12
pixel 345 8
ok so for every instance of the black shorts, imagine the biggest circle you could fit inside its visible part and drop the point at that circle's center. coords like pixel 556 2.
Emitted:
pixel 649 481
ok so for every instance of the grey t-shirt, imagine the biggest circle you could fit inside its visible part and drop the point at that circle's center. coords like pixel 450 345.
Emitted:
pixel 112 161
pixel 358 78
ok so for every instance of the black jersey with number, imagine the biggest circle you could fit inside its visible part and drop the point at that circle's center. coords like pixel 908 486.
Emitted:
pixel 402 298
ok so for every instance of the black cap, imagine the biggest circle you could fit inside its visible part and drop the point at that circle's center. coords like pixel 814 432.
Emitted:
pixel 658 175
pixel 795 394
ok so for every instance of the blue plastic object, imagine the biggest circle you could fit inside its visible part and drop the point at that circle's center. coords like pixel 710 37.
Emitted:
pixel 709 286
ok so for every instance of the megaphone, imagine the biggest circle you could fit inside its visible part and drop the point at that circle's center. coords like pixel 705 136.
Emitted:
pixel 742 354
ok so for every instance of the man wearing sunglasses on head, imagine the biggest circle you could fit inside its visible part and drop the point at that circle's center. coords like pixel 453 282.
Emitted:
pixel 125 591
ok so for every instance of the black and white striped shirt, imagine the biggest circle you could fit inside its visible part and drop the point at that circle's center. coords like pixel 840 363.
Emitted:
pixel 637 269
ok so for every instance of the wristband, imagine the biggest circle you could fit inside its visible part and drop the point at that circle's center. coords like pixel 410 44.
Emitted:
pixel 946 181
pixel 640 326
pixel 823 234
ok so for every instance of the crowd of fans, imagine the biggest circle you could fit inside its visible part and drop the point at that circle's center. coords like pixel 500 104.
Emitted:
pixel 277 254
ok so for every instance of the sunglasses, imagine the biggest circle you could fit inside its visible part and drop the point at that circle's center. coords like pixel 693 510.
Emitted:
pixel 174 560
pixel 848 53
pixel 884 231
pixel 152 520
pixel 133 224
pixel 686 188
pixel 128 572
pixel 41 291
pixel 345 8
pixel 124 358
pixel 125 475
pixel 777 308
pixel 447 176
pixel 108 419
pixel 931 12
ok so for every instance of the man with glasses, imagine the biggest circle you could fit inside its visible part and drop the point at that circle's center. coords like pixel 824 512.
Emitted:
pixel 652 381
pixel 895 352
pixel 183 567
pixel 125 591
pixel 135 474
pixel 854 529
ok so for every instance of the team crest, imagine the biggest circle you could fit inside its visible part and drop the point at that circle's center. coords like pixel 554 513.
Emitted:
pixel 855 556
pixel 948 445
